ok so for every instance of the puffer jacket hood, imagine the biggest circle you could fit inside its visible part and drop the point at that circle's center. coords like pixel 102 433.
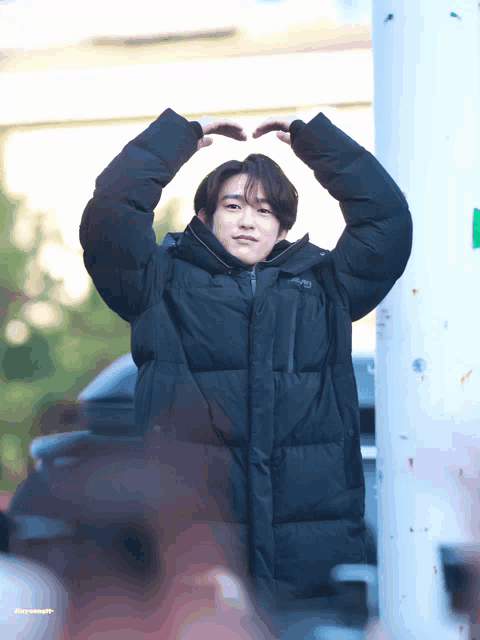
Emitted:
pixel 197 244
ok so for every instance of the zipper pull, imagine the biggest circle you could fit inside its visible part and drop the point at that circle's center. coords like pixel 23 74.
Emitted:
pixel 253 281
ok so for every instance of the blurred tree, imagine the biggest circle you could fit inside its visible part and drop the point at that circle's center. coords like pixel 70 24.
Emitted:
pixel 168 218
pixel 29 361
pixel 42 370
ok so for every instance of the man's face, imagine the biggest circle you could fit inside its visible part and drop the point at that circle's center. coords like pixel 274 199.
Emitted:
pixel 234 217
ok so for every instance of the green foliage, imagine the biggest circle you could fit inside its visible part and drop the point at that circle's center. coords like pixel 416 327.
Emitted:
pixel 17 400
pixel 41 379
pixel 11 263
pixel 30 361
pixel 167 219
pixel 11 454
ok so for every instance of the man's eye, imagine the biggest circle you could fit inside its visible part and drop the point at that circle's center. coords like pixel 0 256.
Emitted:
pixel 264 211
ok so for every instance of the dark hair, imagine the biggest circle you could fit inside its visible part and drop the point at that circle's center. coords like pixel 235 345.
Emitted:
pixel 278 188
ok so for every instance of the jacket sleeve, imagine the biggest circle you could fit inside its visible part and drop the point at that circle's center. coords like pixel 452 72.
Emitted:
pixel 374 248
pixel 116 230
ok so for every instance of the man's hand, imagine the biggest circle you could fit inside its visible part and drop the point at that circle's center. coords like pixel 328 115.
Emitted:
pixel 280 124
pixel 223 127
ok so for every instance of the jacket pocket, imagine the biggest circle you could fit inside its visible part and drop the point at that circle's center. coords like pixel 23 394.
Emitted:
pixel 345 388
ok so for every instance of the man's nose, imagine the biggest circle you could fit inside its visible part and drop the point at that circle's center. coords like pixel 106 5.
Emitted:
pixel 247 216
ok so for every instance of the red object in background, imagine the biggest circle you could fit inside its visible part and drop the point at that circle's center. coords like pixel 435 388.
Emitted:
pixel 5 498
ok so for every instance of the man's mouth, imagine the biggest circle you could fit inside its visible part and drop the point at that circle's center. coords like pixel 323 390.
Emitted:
pixel 245 239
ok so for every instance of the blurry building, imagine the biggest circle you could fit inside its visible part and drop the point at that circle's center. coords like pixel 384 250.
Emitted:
pixel 98 78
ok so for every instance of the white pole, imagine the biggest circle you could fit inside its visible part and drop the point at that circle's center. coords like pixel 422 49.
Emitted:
pixel 426 79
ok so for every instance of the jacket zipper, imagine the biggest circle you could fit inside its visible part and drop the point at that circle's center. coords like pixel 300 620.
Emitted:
pixel 253 280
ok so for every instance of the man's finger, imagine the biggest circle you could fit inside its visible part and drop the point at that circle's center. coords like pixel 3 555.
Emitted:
pixel 230 131
pixel 226 128
pixel 284 137
pixel 266 127
pixel 204 142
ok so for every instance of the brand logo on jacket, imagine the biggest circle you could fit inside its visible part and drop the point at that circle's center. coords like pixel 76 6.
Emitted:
pixel 306 283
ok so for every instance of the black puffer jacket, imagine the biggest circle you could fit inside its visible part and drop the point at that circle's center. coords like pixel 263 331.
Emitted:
pixel 252 370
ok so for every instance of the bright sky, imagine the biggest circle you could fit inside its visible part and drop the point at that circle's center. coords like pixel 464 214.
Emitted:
pixel 36 24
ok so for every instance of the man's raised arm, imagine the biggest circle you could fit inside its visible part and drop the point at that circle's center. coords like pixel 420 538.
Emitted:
pixel 375 246
pixel 116 231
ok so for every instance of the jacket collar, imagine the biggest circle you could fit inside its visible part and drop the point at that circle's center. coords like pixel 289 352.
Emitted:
pixel 199 246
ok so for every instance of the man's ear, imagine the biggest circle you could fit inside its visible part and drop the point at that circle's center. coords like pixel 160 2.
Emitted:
pixel 201 214
pixel 281 236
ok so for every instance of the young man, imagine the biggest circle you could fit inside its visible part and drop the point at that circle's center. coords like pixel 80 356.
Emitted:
pixel 243 345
